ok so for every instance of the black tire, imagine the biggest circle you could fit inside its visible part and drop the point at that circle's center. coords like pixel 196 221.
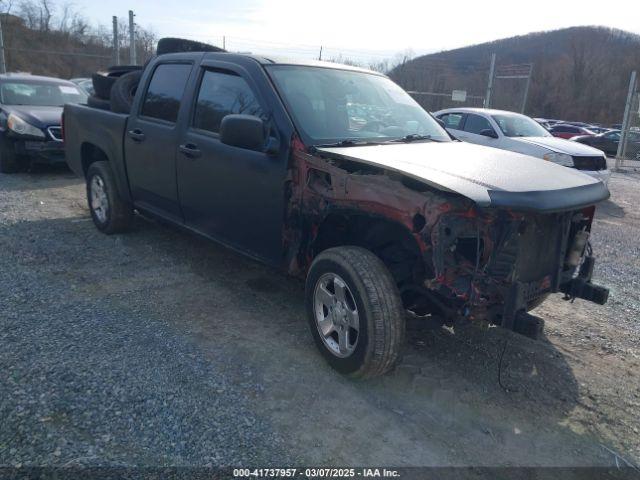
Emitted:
pixel 176 45
pixel 119 70
pixel 124 91
pixel 102 85
pixel 374 293
pixel 96 102
pixel 9 160
pixel 118 214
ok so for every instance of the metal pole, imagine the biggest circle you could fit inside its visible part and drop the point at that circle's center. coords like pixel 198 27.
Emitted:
pixel 526 89
pixel 116 42
pixel 320 57
pixel 492 68
pixel 224 42
pixel 132 39
pixel 626 120
pixel 3 64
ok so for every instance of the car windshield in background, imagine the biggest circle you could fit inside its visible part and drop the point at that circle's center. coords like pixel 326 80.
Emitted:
pixel 515 125
pixel 330 106
pixel 40 94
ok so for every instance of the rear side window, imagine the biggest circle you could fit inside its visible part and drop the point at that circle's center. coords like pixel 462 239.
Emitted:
pixel 452 120
pixel 222 94
pixel 165 91
pixel 476 124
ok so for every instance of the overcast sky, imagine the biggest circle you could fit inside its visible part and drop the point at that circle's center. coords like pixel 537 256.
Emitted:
pixel 358 28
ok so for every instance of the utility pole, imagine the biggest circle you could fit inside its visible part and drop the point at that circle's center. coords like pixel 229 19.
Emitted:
pixel 132 39
pixel 626 120
pixel 116 42
pixel 320 56
pixel 526 89
pixel 3 64
pixel 492 68
pixel 224 42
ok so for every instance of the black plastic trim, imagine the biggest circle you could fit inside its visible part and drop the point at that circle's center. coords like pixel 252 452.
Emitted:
pixel 551 200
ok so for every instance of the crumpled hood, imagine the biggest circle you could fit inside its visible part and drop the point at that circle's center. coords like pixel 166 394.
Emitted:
pixel 488 176
pixel 41 117
pixel 561 145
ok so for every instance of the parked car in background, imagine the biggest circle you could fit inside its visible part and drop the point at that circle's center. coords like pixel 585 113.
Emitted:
pixel 544 122
pixel 85 83
pixel 608 142
pixel 30 119
pixel 519 133
pixel 567 131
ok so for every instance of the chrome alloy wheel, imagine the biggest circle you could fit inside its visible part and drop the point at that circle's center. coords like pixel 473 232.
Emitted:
pixel 336 315
pixel 99 199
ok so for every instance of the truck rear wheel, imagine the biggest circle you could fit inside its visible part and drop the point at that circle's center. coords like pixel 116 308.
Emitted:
pixel 110 213
pixel 355 312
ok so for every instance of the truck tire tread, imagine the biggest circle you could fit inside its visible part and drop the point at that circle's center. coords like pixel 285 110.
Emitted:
pixel 384 313
pixel 120 213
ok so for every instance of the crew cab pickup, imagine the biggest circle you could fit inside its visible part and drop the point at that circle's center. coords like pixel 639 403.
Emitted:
pixel 335 175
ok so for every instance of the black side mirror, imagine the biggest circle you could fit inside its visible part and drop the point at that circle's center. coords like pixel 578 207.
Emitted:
pixel 243 131
pixel 489 132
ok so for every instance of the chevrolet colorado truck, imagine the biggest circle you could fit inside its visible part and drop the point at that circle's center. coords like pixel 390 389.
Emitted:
pixel 335 175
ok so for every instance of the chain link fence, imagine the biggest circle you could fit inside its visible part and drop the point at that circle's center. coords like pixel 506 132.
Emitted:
pixel 439 84
pixel 629 147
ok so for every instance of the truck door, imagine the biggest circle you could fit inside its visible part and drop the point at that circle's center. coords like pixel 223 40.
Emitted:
pixel 151 139
pixel 231 194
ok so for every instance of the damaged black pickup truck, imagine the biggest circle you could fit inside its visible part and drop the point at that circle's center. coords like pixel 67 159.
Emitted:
pixel 336 175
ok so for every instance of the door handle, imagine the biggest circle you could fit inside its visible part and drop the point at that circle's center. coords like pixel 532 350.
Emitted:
pixel 136 135
pixel 190 150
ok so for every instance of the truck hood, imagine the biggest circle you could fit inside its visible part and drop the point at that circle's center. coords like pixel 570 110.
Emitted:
pixel 488 176
pixel 40 117
pixel 560 145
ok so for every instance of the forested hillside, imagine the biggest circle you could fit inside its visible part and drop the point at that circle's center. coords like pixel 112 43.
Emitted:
pixel 48 38
pixel 579 73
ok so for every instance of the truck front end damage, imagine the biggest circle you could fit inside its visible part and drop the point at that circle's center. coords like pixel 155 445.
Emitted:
pixel 450 254
pixel 496 265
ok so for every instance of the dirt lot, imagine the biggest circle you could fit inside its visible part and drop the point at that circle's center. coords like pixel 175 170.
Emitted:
pixel 160 348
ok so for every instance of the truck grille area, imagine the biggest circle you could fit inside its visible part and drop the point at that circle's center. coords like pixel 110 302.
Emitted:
pixel 590 163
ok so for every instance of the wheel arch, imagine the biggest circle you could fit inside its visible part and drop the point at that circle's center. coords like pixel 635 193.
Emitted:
pixel 91 153
pixel 390 240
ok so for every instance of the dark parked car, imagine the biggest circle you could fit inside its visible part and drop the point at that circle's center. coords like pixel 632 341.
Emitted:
pixel 567 131
pixel 30 119
pixel 380 215
pixel 608 142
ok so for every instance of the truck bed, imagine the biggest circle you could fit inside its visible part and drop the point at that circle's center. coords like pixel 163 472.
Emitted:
pixel 80 130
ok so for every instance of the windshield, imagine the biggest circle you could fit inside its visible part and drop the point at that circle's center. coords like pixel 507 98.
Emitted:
pixel 40 94
pixel 515 125
pixel 330 105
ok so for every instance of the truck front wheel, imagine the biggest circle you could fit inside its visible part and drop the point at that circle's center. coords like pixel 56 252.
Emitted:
pixel 110 213
pixel 355 312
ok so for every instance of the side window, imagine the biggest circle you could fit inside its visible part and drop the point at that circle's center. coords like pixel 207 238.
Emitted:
pixel 165 91
pixel 452 120
pixel 222 94
pixel 476 123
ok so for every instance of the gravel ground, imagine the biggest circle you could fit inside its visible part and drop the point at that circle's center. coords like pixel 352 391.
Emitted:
pixel 160 348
